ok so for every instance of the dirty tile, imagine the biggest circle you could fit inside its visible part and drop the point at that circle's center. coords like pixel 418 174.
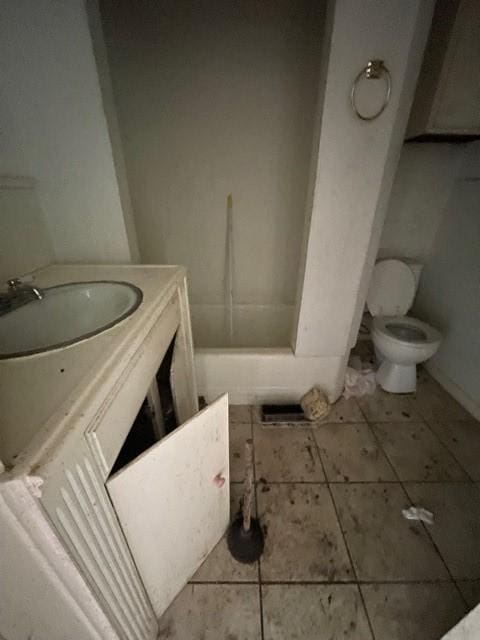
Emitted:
pixel 220 566
pixel 383 545
pixel 210 612
pixel 416 453
pixel 412 611
pixel 239 433
pixel 470 590
pixel 463 440
pixel 456 527
pixel 286 455
pixel 350 453
pixel 343 410
pixel 303 539
pixel 239 413
pixel 434 403
pixel 313 612
pixel 388 407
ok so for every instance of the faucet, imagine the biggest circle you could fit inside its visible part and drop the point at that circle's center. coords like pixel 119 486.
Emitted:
pixel 18 293
pixel 18 286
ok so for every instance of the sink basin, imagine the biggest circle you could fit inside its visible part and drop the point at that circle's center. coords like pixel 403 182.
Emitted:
pixel 66 314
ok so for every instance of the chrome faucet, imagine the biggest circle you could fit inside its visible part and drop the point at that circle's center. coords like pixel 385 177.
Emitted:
pixel 18 293
pixel 17 286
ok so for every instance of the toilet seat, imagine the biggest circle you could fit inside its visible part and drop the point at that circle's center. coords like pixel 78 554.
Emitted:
pixel 396 329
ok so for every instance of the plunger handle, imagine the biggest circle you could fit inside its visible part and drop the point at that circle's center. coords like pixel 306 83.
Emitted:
pixel 248 485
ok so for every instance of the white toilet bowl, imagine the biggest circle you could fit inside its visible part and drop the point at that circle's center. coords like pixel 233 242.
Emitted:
pixel 402 342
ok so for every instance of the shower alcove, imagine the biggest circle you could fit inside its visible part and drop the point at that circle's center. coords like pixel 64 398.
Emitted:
pixel 235 141
pixel 218 99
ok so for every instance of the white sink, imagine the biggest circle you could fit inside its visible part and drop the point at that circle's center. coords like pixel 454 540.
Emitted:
pixel 66 314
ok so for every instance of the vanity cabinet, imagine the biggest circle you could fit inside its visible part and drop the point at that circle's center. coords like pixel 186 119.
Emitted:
pixel 136 528
pixel 448 91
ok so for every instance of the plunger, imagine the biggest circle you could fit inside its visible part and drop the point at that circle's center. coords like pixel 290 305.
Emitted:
pixel 245 536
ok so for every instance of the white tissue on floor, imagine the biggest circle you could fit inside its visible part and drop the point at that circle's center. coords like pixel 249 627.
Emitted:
pixel 418 513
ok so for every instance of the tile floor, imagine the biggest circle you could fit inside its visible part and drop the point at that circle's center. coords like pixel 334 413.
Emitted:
pixel 340 560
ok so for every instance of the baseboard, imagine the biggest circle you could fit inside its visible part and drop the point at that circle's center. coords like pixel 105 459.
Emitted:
pixel 454 390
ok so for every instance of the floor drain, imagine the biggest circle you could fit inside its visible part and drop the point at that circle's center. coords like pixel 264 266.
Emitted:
pixel 282 413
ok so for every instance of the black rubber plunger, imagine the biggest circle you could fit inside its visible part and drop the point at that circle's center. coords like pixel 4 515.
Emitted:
pixel 245 536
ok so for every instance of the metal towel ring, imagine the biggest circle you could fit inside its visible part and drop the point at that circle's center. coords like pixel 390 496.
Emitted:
pixel 374 70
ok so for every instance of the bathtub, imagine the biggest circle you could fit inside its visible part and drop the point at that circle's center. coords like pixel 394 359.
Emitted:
pixel 256 365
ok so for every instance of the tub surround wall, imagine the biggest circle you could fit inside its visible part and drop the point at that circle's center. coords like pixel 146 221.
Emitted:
pixel 53 128
pixel 224 103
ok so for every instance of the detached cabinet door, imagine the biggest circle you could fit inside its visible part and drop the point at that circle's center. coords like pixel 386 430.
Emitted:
pixel 173 502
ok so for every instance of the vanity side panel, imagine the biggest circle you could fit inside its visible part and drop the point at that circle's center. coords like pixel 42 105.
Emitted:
pixel 43 578
pixel 74 496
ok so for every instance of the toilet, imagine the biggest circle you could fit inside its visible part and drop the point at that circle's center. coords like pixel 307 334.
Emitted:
pixel 401 342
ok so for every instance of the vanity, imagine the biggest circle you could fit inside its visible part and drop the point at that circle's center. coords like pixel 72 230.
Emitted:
pixel 123 495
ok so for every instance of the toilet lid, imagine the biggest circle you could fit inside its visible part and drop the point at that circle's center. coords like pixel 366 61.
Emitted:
pixel 392 289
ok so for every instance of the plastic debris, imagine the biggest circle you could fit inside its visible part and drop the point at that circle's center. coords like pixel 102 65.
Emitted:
pixel 359 379
pixel 418 513
pixel 315 404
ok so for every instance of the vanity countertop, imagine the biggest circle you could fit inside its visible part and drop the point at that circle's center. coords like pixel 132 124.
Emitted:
pixel 45 396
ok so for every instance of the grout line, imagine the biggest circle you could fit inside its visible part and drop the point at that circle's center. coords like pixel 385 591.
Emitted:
pixel 255 485
pixel 344 539
pixel 427 422
pixel 404 489
pixel 330 582
pixel 402 484
pixel 435 546
pixel 341 482
pixel 236 582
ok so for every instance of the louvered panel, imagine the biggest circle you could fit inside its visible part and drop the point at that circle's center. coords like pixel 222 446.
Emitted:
pixel 90 527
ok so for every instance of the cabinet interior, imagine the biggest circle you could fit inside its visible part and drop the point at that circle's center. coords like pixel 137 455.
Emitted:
pixel 156 417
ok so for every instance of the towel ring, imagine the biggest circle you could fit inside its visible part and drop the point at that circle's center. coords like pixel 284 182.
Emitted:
pixel 375 70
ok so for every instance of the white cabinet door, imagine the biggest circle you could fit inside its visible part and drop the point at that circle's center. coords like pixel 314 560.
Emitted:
pixel 173 502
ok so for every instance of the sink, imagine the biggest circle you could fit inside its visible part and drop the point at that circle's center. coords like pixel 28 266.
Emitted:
pixel 66 314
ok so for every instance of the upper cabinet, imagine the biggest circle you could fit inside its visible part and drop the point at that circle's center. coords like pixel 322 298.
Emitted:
pixel 447 100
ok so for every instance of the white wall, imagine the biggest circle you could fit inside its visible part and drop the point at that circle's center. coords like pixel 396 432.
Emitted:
pixel 423 183
pixel 355 168
pixel 24 241
pixel 449 294
pixel 217 98
pixel 53 127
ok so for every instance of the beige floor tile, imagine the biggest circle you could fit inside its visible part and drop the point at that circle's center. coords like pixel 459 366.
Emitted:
pixel 239 413
pixel 220 565
pixel 213 612
pixel 463 440
pixel 470 591
pixel 303 539
pixel 343 410
pixel 286 455
pixel 434 403
pixel 350 453
pixel 412 611
pixel 239 433
pixel 383 545
pixel 416 453
pixel 314 612
pixel 456 527
pixel 388 407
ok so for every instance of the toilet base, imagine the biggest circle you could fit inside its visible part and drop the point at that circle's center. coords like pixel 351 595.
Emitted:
pixel 397 378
